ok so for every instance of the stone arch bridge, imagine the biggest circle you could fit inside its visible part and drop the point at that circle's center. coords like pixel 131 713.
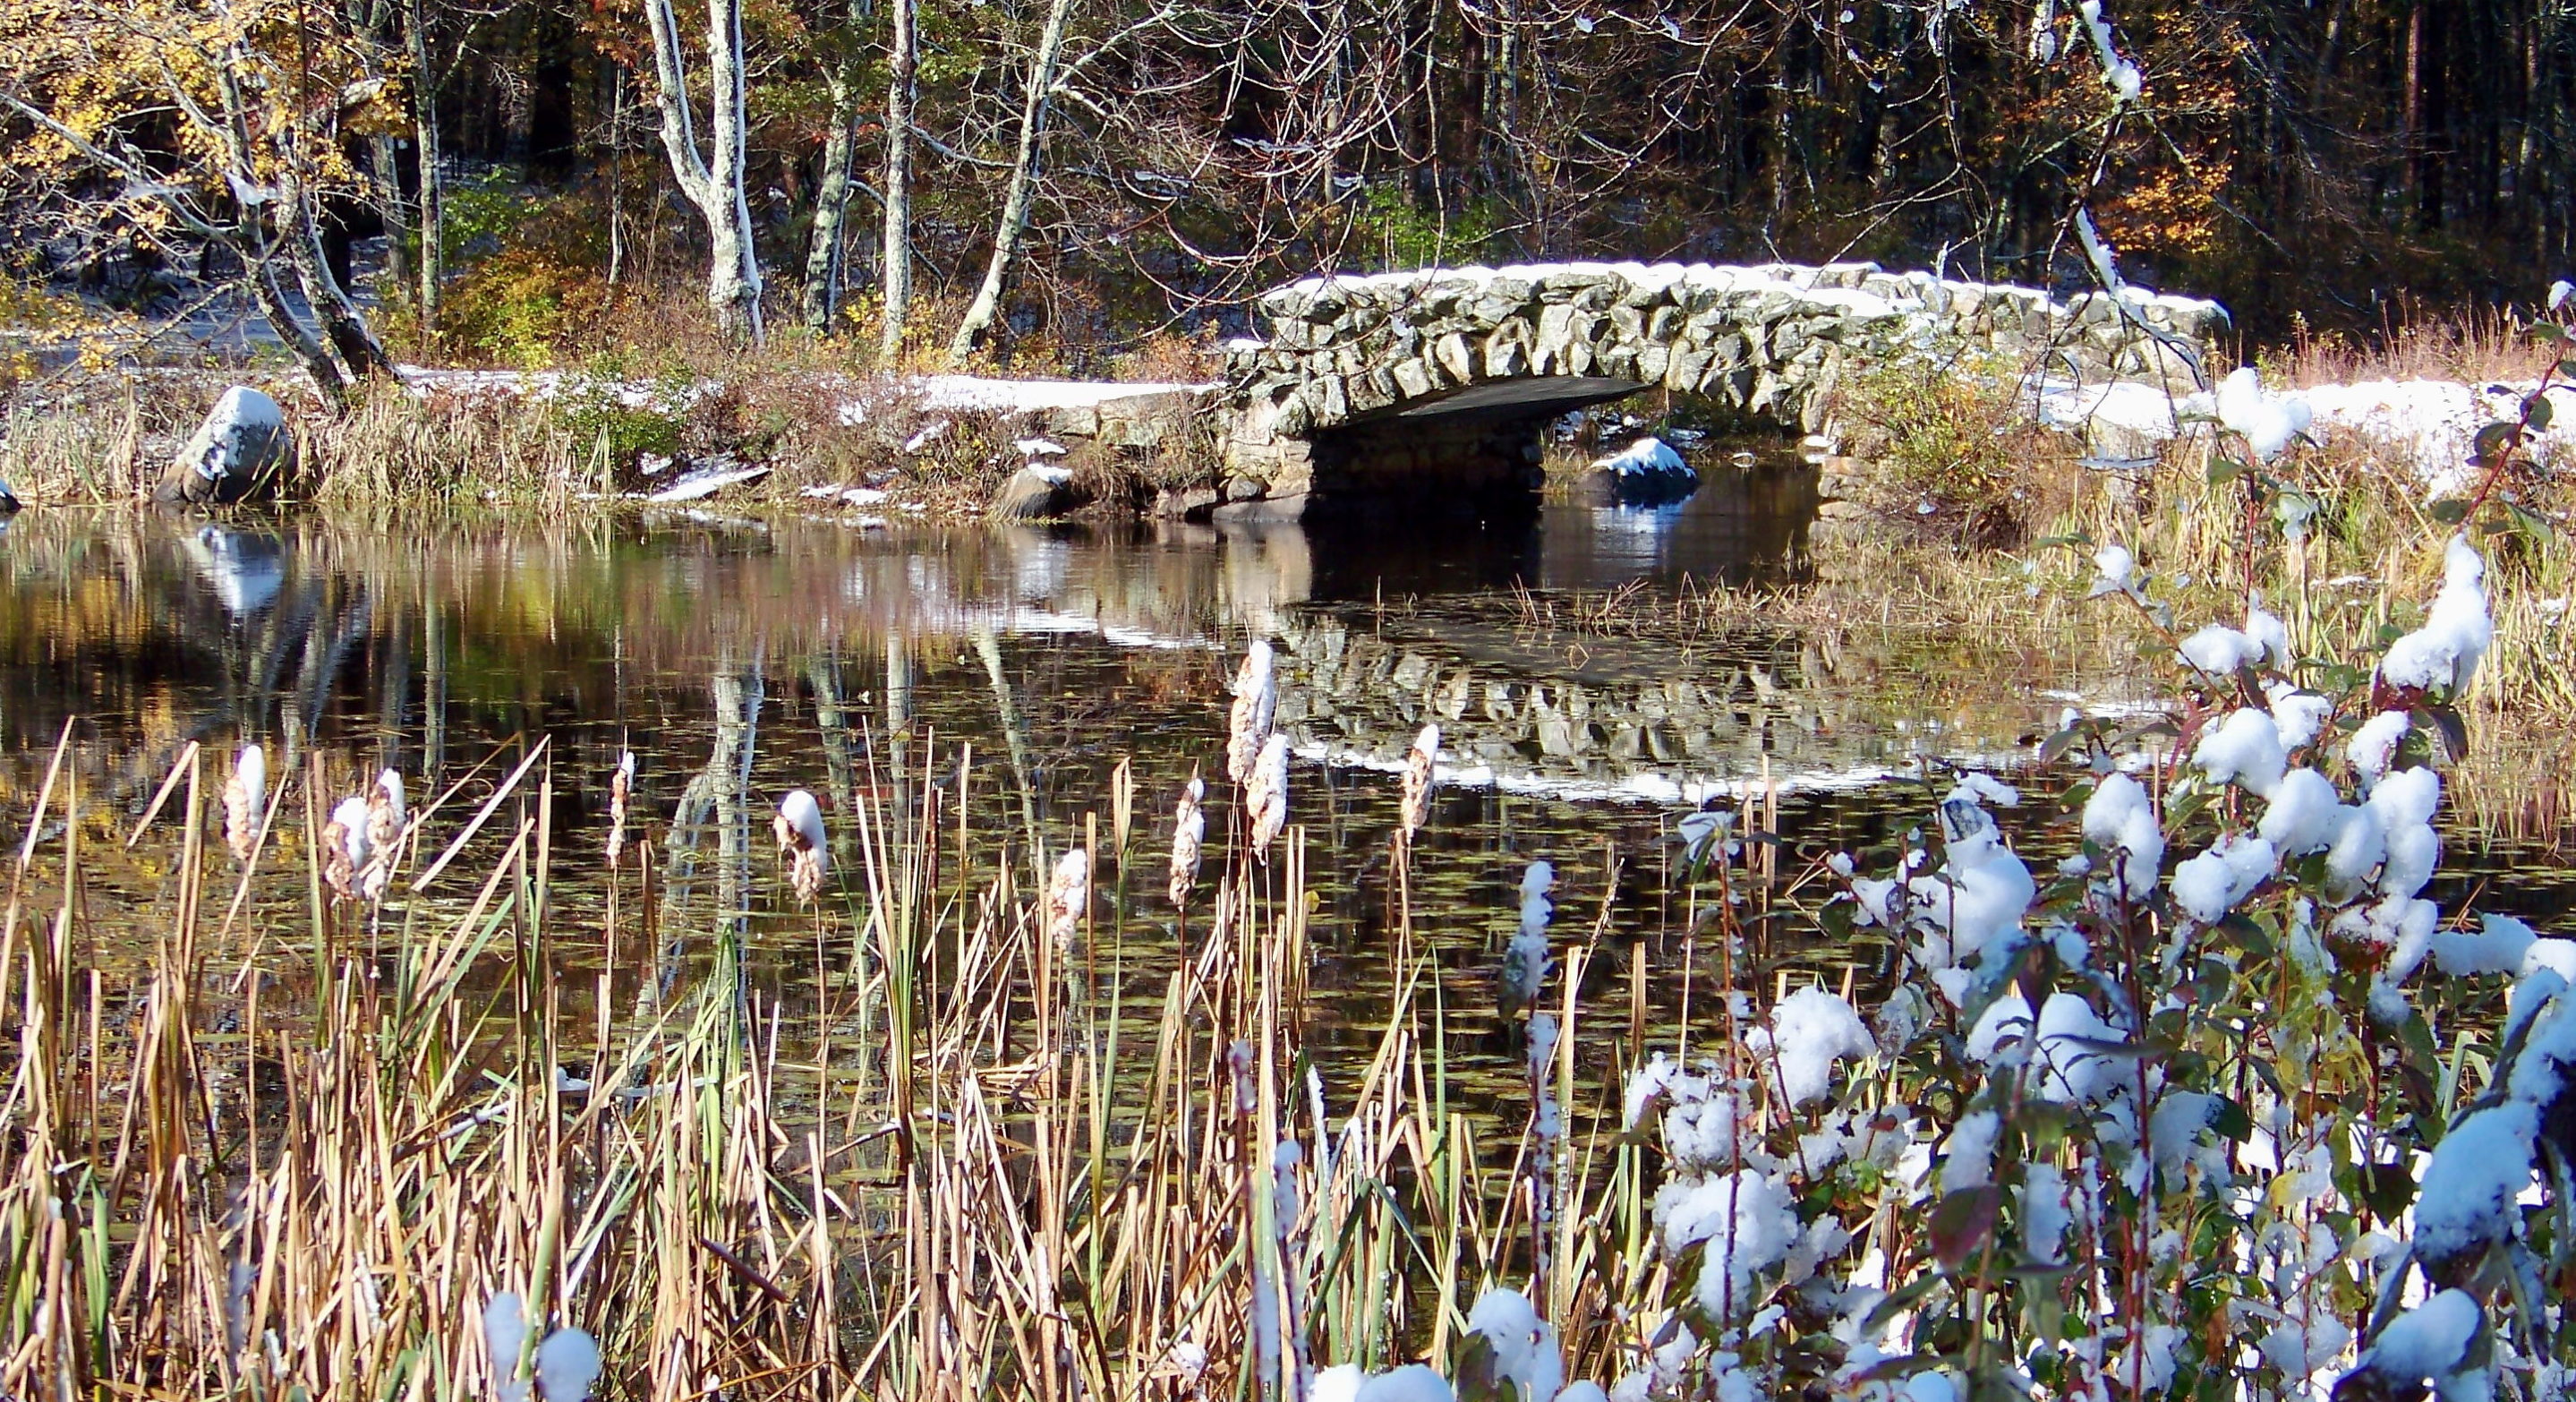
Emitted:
pixel 1439 379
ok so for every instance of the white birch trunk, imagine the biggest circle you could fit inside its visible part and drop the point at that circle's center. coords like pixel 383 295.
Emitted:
pixel 713 179
pixel 433 226
pixel 823 274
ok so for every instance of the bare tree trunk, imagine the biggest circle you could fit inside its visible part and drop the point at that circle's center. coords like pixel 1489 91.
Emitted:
pixel 895 265
pixel 616 173
pixel 1023 188
pixel 713 181
pixel 433 231
pixel 343 324
pixel 823 257
pixel 319 366
pixel 2410 113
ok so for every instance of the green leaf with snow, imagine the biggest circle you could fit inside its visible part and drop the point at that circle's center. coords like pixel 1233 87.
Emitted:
pixel 2385 1189
pixel 1965 1222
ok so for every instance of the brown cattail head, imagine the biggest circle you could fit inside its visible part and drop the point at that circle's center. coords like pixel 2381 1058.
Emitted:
pixel 1265 794
pixel 337 871
pixel 1189 834
pixel 801 841
pixel 1417 779
pixel 1256 701
pixel 345 849
pixel 805 874
pixel 386 817
pixel 245 801
pixel 387 821
pixel 1068 897
pixel 621 786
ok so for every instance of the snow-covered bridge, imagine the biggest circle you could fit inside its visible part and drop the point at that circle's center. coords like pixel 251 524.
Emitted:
pixel 1366 383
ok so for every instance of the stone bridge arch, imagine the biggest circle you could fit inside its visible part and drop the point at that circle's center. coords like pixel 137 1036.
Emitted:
pixel 1365 383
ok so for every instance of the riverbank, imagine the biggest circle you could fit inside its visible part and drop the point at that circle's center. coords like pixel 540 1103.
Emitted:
pixel 778 436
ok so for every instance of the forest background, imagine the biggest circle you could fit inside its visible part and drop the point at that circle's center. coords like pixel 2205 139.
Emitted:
pixel 1070 182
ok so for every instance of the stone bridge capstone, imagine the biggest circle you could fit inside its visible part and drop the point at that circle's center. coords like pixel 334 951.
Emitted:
pixel 1426 379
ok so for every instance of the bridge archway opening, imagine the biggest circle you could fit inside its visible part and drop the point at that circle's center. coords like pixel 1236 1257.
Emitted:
pixel 1475 453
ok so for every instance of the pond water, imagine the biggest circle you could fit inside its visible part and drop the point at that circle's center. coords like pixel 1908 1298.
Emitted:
pixel 1020 670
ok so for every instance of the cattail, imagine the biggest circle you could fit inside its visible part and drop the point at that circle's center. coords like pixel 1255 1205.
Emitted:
pixel 1265 793
pixel 1417 780
pixel 1704 835
pixel 386 821
pixel 620 785
pixel 1517 983
pixel 1068 896
pixel 1256 701
pixel 567 1361
pixel 1189 831
pixel 801 842
pixel 245 800
pixel 345 848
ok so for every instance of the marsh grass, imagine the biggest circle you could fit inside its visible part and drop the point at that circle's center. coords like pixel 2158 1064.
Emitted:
pixel 269 1162
pixel 396 447
pixel 89 446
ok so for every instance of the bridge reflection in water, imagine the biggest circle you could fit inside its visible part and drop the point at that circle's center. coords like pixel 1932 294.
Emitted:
pixel 739 660
pixel 420 651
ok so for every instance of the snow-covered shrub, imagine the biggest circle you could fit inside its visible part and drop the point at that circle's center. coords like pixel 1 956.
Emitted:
pixel 2169 1117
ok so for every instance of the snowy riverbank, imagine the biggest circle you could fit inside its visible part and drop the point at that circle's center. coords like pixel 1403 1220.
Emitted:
pixel 2429 424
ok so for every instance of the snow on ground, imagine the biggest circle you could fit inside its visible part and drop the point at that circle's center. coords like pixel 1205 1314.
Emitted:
pixel 930 393
pixel 2434 421
pixel 1647 457
pixel 2431 424
pixel 970 393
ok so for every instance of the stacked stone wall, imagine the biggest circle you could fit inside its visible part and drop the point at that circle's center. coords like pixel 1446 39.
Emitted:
pixel 1772 340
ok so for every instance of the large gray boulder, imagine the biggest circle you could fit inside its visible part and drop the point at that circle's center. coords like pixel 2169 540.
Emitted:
pixel 1645 473
pixel 1037 492
pixel 237 455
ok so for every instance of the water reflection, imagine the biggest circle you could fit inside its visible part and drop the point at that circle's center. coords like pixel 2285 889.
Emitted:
pixel 246 568
pixel 1048 648
pixel 421 647
pixel 1743 525
pixel 1014 671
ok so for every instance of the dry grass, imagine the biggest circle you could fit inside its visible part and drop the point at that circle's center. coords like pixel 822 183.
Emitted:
pixel 393 447
pixel 277 1161
pixel 96 441
pixel 2477 345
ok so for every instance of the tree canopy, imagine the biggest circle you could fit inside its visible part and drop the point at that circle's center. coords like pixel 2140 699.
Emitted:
pixel 2318 161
